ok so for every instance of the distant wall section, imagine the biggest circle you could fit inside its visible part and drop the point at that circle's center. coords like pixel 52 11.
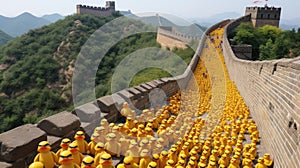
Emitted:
pixel 97 11
pixel 171 38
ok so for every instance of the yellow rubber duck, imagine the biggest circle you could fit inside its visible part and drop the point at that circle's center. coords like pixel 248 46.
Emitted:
pixel 180 163
pixel 94 140
pixel 144 144
pixel 82 144
pixel 155 158
pixel 267 160
pixel 66 160
pixel 47 157
pixel 88 162
pixel 260 163
pixel 77 156
pixel 247 163
pixel 112 146
pixel 145 158
pixel 106 161
pixel 163 158
pixel 102 134
pixel 191 164
pixel 126 111
pixel 212 165
pixel 247 157
pixel 129 124
pixel 99 151
pixel 152 165
pixel 124 145
pixel 173 155
pixel 36 165
pixel 233 163
pixel 133 151
pixel 64 146
pixel 128 163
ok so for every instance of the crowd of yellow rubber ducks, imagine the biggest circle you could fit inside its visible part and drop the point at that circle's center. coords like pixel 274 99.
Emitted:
pixel 174 135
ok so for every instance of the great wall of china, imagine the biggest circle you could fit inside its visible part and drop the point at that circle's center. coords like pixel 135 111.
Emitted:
pixel 269 88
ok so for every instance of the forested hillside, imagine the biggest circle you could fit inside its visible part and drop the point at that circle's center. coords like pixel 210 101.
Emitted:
pixel 4 38
pixel 269 42
pixel 37 68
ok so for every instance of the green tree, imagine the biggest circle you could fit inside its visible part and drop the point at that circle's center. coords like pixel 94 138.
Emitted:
pixel 267 51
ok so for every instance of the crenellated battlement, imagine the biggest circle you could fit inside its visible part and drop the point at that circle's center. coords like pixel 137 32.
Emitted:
pixel 97 11
pixel 266 15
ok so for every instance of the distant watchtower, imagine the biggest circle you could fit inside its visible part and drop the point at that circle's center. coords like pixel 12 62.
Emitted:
pixel 97 11
pixel 261 16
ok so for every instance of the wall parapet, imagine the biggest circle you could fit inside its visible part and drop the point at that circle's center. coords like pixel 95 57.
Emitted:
pixel 271 90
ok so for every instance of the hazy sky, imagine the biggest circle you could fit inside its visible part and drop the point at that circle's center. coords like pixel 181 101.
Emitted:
pixel 181 8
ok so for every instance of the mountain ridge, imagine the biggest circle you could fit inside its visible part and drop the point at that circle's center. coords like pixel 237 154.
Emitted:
pixel 16 26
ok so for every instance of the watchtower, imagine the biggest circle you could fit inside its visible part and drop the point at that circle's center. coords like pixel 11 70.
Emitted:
pixel 97 11
pixel 261 16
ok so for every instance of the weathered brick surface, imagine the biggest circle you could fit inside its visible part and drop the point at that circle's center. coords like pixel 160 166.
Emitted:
pixel 59 124
pixel 20 141
pixel 271 89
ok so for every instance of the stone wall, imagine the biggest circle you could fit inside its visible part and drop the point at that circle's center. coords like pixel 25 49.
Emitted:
pixel 170 42
pixel 271 89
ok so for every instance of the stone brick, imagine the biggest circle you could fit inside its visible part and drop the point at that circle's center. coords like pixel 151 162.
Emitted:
pixel 88 112
pixel 134 91
pixel 141 89
pixel 106 103
pixel 158 82
pixel 20 141
pixel 145 86
pixel 59 124
pixel 152 84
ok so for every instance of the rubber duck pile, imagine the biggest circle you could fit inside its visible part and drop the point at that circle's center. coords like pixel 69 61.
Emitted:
pixel 169 136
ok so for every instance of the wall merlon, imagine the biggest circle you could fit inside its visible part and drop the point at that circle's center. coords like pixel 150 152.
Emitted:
pixel 59 124
pixel 20 141
pixel 106 104
pixel 87 112
pixel 134 91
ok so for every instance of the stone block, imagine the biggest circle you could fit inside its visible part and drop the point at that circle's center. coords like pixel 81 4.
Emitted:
pixel 134 91
pixel 59 124
pixel 141 89
pixel 125 94
pixel 145 86
pixel 152 84
pixel 158 82
pixel 20 141
pixel 88 112
pixel 106 103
